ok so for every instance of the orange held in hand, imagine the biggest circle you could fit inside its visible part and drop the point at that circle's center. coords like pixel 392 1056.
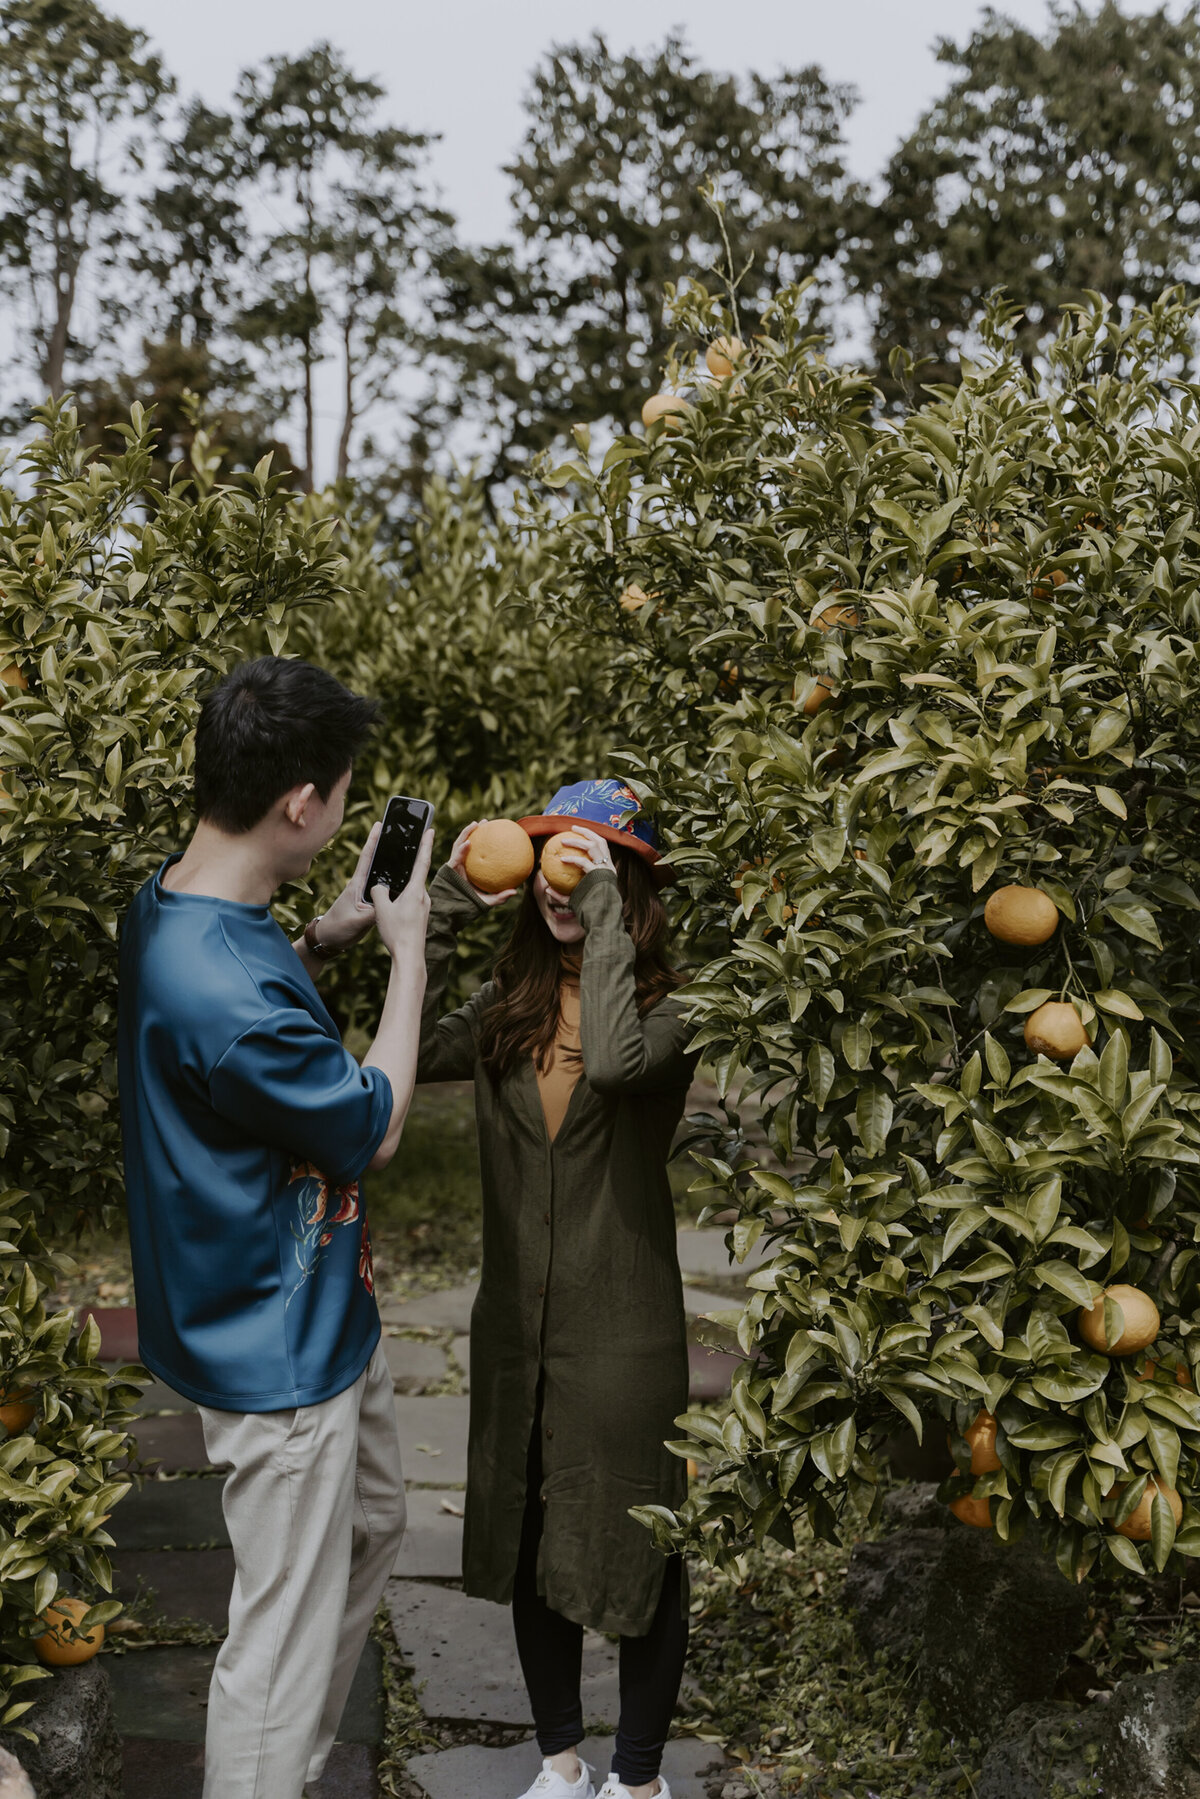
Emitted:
pixel 59 1647
pixel 972 1511
pixel 1139 1524
pixel 499 855
pixel 1056 1030
pixel 1139 1329
pixel 1021 915
pixel 564 877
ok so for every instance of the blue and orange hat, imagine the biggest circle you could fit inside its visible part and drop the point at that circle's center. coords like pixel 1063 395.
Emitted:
pixel 609 808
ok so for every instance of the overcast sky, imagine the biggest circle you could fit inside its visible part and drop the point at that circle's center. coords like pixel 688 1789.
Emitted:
pixel 459 68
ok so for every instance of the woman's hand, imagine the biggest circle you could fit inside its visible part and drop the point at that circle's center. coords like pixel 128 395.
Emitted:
pixel 587 850
pixel 350 916
pixel 458 861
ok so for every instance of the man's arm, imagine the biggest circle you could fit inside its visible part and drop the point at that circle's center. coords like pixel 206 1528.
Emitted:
pixel 349 918
pixel 401 924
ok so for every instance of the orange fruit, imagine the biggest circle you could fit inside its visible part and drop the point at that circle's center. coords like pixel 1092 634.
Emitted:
pixel 1041 591
pixel 1140 1327
pixel 1055 1030
pixel 634 598
pixel 836 617
pixel 499 855
pixel 981 1435
pixel 1150 1371
pixel 59 1647
pixel 15 1412
pixel 1138 1524
pixel 820 695
pixel 12 676
pixel 972 1511
pixel 564 877
pixel 721 355
pixel 663 406
pixel 1021 915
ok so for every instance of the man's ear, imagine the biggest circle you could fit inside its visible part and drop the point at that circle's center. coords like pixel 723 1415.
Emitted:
pixel 295 803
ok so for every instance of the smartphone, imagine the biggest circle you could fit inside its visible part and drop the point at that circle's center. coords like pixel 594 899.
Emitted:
pixel 404 824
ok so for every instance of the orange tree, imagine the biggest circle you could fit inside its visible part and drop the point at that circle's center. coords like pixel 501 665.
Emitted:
pixel 871 670
pixel 118 601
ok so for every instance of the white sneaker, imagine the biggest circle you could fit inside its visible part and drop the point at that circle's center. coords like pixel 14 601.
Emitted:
pixel 551 1785
pixel 612 1789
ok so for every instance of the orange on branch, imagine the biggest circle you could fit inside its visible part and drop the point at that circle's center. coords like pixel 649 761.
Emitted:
pixel 977 1512
pixel 13 676
pixel 634 598
pixel 499 855
pixel 1141 1321
pixel 1023 915
pixel 1140 1522
pixel 819 695
pixel 1055 1030
pixel 836 616
pixel 981 1438
pixel 722 354
pixel 666 407
pixel 61 1646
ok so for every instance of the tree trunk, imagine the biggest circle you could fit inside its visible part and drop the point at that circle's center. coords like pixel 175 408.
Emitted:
pixel 308 479
pixel 53 363
pixel 348 414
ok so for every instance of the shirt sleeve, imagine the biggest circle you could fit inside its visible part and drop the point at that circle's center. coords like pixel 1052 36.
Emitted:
pixel 622 1051
pixel 289 1084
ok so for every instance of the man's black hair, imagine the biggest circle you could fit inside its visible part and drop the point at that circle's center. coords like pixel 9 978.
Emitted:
pixel 269 726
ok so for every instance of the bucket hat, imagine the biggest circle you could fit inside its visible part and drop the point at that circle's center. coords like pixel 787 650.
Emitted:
pixel 609 808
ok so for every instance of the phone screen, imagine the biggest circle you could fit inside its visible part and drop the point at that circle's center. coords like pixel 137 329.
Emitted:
pixel 404 824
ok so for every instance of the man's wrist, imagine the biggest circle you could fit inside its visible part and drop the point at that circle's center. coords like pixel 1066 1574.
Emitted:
pixel 317 942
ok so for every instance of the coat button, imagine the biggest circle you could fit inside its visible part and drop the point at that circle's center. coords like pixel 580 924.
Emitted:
pixel 541 1292
pixel 549 1430
pixel 547 1217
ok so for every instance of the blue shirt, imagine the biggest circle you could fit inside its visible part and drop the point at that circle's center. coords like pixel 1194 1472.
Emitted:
pixel 247 1127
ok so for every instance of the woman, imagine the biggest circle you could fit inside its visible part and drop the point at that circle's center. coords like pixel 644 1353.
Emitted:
pixel 578 1338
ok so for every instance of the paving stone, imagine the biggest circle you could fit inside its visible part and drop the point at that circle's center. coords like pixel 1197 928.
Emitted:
pixel 432 1546
pixel 173 1443
pixel 118 1331
pixel 471 1772
pixel 460 1349
pixel 464 1658
pixel 155 1769
pixel 703 1252
pixel 158 1397
pixel 710 1371
pixel 447 1310
pixel 163 1770
pixel 170 1514
pixel 184 1583
pixel 414 1365
pixel 697 1303
pixel 163 1693
pixel 433 1439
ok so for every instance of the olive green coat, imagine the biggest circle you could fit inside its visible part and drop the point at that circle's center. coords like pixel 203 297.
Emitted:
pixel 580 1283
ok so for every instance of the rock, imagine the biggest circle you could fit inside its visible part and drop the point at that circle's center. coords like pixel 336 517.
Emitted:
pixel 78 1752
pixel 884 1588
pixel 999 1624
pixel 1150 1748
pixel 990 1624
pixel 14 1782
pixel 1041 1747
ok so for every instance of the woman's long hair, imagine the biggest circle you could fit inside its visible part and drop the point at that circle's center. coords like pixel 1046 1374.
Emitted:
pixel 523 1018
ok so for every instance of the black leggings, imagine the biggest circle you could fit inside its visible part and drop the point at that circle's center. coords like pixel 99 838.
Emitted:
pixel 550 1648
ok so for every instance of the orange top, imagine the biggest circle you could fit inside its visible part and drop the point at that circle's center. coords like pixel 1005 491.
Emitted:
pixel 556 1082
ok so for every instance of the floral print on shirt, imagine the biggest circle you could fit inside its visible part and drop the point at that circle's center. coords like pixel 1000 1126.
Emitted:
pixel 314 1222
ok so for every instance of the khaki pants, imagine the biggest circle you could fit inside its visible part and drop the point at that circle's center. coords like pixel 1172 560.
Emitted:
pixel 314 1504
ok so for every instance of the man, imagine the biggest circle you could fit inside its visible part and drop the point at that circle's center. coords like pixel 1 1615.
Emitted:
pixel 247 1129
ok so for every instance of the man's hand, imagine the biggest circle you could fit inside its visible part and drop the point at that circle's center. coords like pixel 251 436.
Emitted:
pixel 401 921
pixel 458 860
pixel 351 916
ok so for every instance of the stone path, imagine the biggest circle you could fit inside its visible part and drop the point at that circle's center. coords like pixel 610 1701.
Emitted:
pixel 171 1539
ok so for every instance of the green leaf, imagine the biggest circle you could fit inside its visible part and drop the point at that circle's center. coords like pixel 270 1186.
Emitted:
pixel 873 1112
pixel 1138 921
